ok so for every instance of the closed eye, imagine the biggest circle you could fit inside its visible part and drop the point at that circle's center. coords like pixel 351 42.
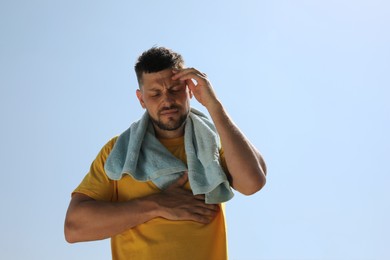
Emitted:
pixel 155 94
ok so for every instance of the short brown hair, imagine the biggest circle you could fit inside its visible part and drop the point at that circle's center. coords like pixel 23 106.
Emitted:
pixel 157 59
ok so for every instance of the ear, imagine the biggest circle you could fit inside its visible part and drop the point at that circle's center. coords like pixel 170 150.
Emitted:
pixel 140 98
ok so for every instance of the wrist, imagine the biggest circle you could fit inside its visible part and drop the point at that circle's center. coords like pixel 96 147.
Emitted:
pixel 150 206
pixel 215 108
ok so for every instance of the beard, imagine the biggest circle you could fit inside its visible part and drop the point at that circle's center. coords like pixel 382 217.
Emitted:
pixel 171 124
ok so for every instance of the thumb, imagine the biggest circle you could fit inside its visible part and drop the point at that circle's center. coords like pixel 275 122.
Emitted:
pixel 190 85
pixel 179 182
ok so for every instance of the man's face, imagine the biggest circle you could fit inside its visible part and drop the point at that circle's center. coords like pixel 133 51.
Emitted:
pixel 167 101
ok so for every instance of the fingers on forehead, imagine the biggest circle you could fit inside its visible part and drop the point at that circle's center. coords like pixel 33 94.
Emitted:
pixel 191 71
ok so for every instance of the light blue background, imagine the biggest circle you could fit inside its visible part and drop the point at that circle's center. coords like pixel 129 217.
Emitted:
pixel 306 81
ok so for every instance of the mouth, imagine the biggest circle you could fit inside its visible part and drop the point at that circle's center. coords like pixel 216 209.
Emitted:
pixel 169 111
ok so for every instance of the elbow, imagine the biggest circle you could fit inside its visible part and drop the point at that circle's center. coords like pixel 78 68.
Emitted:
pixel 255 184
pixel 69 237
pixel 70 231
pixel 253 187
pixel 258 182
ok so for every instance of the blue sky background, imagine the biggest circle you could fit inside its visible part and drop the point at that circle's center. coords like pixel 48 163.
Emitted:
pixel 306 81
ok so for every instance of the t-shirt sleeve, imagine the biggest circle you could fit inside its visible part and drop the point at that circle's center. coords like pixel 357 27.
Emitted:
pixel 223 160
pixel 96 184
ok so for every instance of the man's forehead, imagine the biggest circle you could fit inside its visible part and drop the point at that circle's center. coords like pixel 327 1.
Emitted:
pixel 157 78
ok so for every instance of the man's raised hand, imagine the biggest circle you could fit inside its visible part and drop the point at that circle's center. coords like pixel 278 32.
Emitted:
pixel 199 85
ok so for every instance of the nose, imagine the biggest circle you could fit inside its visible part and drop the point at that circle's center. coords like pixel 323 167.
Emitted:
pixel 167 97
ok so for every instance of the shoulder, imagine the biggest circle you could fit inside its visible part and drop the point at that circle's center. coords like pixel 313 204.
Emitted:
pixel 110 144
pixel 107 148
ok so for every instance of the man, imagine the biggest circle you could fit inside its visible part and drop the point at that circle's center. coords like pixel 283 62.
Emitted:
pixel 144 220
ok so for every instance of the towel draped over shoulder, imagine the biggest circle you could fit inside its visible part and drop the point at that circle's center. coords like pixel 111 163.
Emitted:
pixel 138 153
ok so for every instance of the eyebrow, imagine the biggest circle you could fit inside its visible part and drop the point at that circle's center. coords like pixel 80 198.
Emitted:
pixel 153 89
pixel 174 84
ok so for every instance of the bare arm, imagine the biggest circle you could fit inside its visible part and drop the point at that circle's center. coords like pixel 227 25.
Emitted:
pixel 245 164
pixel 88 219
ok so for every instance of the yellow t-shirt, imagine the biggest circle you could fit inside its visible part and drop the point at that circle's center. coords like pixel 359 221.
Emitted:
pixel 158 238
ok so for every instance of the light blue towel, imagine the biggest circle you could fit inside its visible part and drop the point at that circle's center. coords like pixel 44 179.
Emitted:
pixel 139 153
